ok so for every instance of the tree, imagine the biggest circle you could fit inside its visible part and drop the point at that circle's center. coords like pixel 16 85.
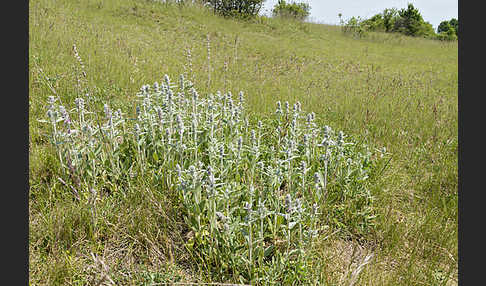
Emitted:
pixel 389 18
pixel 444 26
pixel 448 30
pixel 410 21
pixel 455 24
pixel 299 11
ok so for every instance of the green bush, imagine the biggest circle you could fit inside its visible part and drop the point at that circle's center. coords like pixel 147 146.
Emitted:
pixel 447 33
pixel 448 28
pixel 383 22
pixel 455 24
pixel 236 8
pixel 355 26
pixel 405 21
pixel 299 11
pixel 375 23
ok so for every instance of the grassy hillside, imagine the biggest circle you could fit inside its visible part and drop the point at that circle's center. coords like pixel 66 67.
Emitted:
pixel 384 91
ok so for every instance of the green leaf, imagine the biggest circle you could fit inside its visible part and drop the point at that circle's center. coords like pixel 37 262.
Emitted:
pixel 202 206
pixel 269 250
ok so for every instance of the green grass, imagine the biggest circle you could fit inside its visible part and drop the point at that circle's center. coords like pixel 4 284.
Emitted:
pixel 383 90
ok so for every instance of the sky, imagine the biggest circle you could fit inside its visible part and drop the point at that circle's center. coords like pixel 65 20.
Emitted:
pixel 326 12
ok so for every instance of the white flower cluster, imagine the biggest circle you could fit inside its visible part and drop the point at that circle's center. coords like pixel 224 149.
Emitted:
pixel 244 182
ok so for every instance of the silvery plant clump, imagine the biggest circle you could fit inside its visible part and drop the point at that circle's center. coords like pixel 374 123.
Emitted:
pixel 257 192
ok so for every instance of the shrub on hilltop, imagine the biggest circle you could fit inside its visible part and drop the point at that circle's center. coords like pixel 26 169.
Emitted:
pixel 299 11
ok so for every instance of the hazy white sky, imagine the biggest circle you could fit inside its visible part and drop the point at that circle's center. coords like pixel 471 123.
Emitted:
pixel 322 11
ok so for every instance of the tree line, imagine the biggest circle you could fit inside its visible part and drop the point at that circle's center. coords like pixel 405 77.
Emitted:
pixel 251 8
pixel 407 21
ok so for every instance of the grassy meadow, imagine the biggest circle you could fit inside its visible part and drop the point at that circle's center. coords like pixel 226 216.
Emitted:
pixel 383 90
